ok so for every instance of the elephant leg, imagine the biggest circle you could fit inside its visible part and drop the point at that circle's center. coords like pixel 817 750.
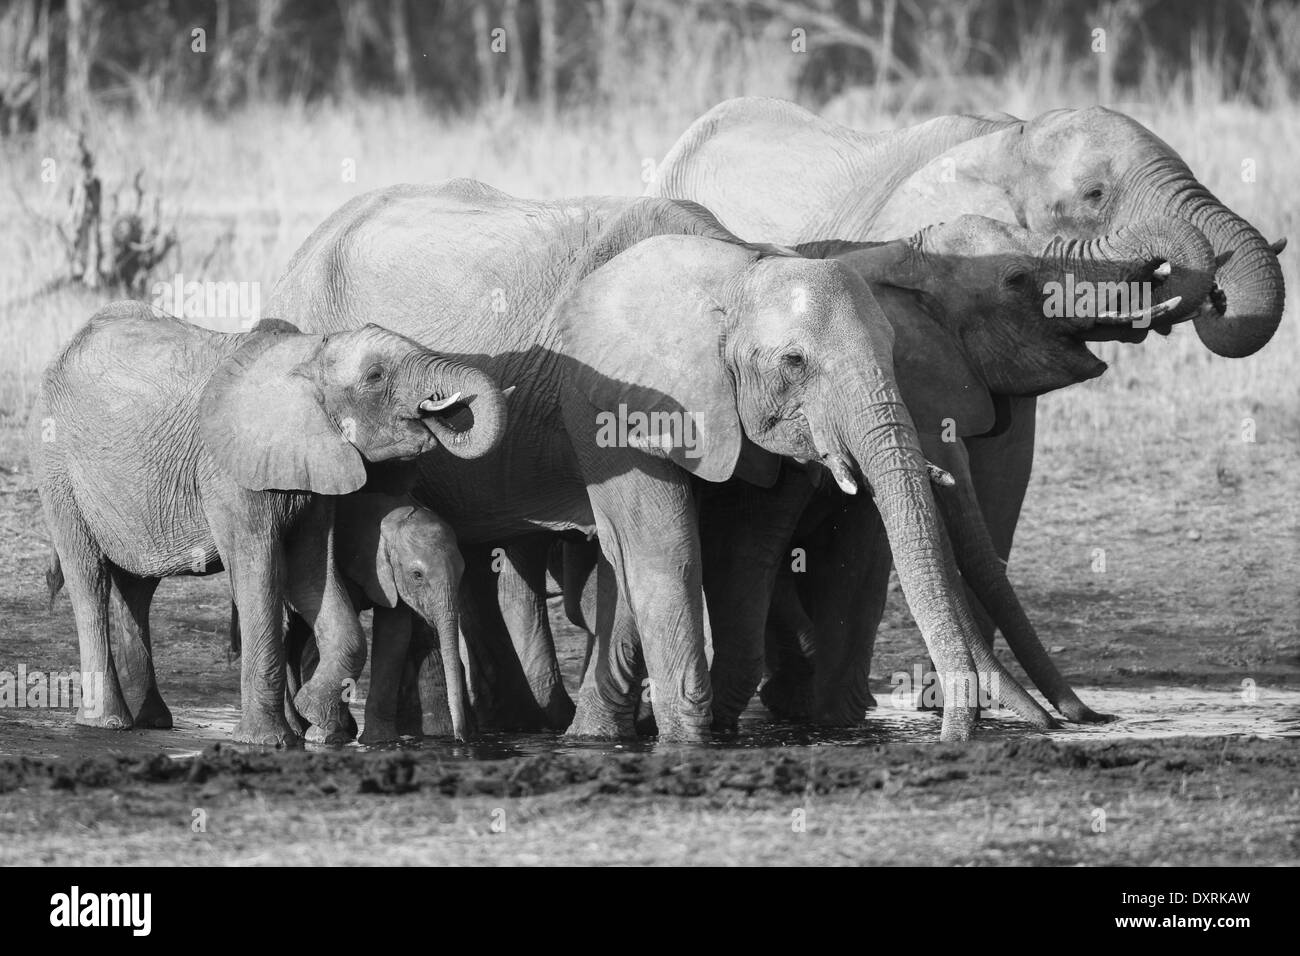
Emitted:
pixel 300 658
pixel 848 581
pixel 648 526
pixel 789 649
pixel 579 583
pixel 86 577
pixel 499 692
pixel 1000 468
pixel 391 642
pixel 410 714
pixel 611 678
pixel 745 533
pixel 256 566
pixel 131 599
pixel 521 592
pixel 314 589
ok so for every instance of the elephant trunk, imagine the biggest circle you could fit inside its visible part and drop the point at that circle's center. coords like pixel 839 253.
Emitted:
pixel 1247 305
pixel 460 405
pixel 1170 261
pixel 879 437
pixel 447 624
pixel 985 573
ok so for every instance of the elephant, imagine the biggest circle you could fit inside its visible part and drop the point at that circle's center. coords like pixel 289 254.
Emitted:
pixel 648 346
pixel 401 560
pixel 966 303
pixel 161 448
pixel 774 172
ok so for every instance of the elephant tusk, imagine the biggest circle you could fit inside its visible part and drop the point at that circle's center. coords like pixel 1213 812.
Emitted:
pixel 839 468
pixel 1146 315
pixel 1278 246
pixel 938 476
pixel 507 392
pixel 1163 271
pixel 430 406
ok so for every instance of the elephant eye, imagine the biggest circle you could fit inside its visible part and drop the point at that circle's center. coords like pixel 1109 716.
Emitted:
pixel 1093 194
pixel 793 361
pixel 1016 279
pixel 417 574
pixel 374 375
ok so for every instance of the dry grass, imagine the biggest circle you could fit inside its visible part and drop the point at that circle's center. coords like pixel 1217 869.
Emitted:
pixel 252 187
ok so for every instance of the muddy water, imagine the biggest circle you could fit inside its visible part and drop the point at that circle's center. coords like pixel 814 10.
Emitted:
pixel 1144 713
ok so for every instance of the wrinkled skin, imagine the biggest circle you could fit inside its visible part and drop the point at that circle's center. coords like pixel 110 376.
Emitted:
pixel 774 172
pixel 966 302
pixel 161 448
pixel 403 561
pixel 601 308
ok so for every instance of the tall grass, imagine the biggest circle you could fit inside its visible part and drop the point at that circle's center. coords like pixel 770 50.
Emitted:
pixel 245 190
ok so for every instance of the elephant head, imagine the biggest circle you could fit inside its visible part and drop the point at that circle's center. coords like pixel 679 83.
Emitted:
pixel 1089 172
pixel 290 411
pixel 774 172
pixel 707 349
pixel 980 306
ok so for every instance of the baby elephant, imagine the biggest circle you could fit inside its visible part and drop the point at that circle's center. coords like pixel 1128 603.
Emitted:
pixel 161 448
pixel 403 561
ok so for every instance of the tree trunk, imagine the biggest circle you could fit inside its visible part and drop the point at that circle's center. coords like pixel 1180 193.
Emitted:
pixel 76 82
pixel 403 68
pixel 547 65
pixel 516 83
pixel 483 55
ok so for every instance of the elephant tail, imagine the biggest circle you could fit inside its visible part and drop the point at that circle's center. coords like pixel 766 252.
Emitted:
pixel 53 576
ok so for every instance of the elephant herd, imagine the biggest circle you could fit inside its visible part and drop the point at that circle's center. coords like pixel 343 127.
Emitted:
pixel 802 340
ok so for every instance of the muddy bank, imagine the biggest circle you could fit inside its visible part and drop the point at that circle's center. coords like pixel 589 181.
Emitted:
pixel 679 772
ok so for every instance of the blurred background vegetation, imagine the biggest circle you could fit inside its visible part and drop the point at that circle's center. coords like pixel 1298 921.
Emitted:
pixel 218 151
pixel 59 57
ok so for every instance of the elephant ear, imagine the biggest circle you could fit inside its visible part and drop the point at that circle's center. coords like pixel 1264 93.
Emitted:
pixel 937 381
pixel 263 420
pixel 643 337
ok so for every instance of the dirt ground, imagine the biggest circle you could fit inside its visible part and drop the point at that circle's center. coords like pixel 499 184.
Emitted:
pixel 1197 589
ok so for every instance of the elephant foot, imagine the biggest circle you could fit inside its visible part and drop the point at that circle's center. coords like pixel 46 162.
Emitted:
pixel 643 717
pixel 1080 713
pixel 379 731
pixel 684 731
pixel 787 698
pixel 558 710
pixel 265 730
pixel 436 725
pixel 596 719
pixel 294 719
pixel 154 713
pixel 106 719
pixel 323 707
pixel 330 736
pixel 725 726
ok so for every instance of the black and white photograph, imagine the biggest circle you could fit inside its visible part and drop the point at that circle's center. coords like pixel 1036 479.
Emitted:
pixel 752 433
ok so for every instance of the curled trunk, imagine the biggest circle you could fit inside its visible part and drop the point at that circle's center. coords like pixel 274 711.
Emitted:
pixel 1247 304
pixel 1171 256
pixel 461 406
